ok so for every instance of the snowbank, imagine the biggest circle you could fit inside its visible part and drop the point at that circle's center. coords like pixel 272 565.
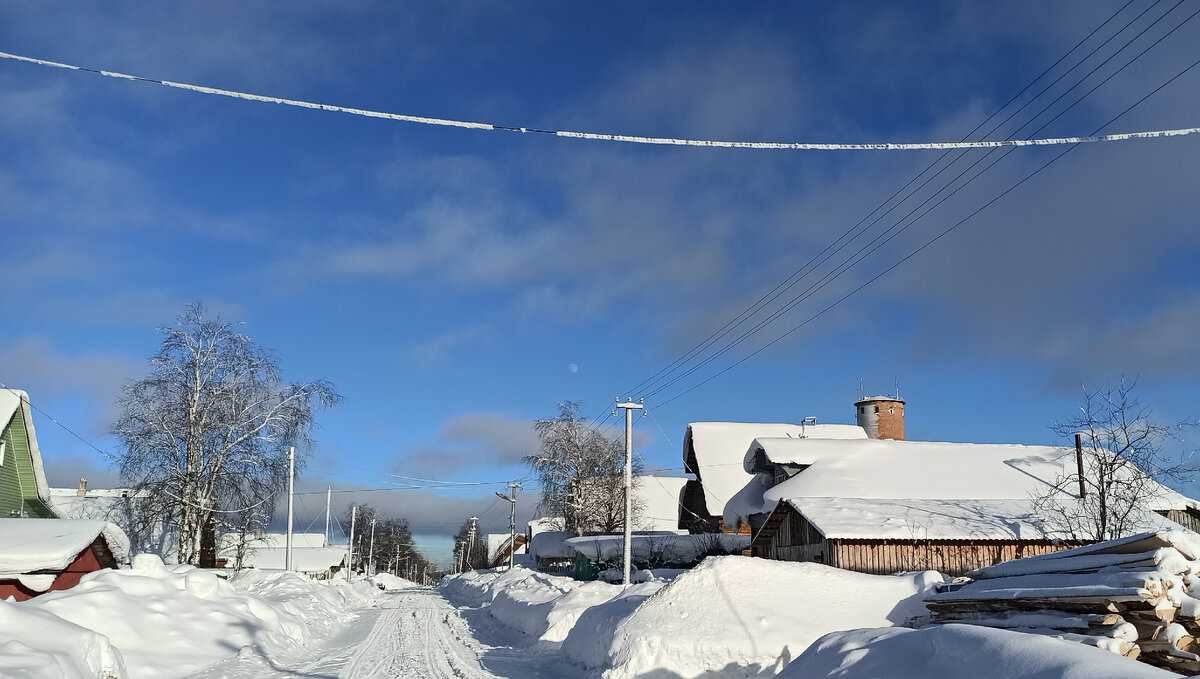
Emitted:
pixel 956 651
pixel 751 616
pixel 592 636
pixel 156 621
pixel 39 644
pixel 542 606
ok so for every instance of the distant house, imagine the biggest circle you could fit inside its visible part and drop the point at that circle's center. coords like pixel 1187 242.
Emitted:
pixel 311 555
pixel 658 499
pixel 500 545
pixel 43 555
pixel 879 506
pixel 713 454
pixel 23 490
pixel 147 530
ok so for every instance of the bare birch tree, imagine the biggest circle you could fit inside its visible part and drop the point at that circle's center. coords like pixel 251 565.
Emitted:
pixel 1124 465
pixel 206 434
pixel 580 473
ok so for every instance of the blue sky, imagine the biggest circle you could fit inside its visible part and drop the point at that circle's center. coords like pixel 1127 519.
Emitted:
pixel 446 280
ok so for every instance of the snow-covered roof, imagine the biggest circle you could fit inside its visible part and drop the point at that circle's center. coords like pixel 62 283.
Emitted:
pixel 299 540
pixel 924 469
pixel 29 545
pixel 941 519
pixel 552 544
pixel 304 559
pixel 779 450
pixel 543 524
pixel 666 547
pixel 720 448
pixel 16 402
pixel 659 497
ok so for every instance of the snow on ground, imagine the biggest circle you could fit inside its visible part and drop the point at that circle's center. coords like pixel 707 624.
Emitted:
pixel 738 616
pixel 539 605
pixel 959 651
pixel 40 644
pixel 730 616
pixel 387 581
pixel 152 620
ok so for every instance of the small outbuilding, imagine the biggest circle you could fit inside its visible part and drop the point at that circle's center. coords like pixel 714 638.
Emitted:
pixel 43 555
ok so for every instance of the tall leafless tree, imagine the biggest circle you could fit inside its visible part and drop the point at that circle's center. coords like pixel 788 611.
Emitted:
pixel 580 473
pixel 1124 466
pixel 206 433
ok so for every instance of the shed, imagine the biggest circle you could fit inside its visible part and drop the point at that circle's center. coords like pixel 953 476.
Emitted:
pixel 42 555
pixel 713 452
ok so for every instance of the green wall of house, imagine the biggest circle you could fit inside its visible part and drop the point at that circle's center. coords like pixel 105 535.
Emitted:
pixel 18 488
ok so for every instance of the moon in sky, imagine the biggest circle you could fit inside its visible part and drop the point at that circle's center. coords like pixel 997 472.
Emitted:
pixel 573 368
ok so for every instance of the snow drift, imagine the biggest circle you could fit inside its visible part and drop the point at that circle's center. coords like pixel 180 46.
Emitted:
pixel 956 651
pixel 749 616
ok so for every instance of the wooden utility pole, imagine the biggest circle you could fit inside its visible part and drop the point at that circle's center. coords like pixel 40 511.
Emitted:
pixel 1079 463
pixel 627 540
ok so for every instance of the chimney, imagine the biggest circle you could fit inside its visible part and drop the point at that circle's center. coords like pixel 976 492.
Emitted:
pixel 82 488
pixel 881 416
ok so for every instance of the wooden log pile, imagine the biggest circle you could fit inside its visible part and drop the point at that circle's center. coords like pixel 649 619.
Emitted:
pixel 1135 596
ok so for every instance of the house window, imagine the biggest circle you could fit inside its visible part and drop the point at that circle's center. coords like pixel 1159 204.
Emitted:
pixel 891 411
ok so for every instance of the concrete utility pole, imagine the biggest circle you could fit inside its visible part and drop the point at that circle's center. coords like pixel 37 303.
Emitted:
pixel 512 520
pixel 350 546
pixel 371 554
pixel 328 497
pixel 287 552
pixel 627 541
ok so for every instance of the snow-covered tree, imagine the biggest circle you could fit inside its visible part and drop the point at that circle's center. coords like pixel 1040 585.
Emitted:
pixel 206 434
pixel 580 470
pixel 1124 466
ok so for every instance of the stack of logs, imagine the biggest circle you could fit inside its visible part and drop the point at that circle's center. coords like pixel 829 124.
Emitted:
pixel 1131 596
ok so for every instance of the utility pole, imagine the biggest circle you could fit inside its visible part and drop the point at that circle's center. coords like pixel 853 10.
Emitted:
pixel 350 546
pixel 512 519
pixel 470 542
pixel 287 554
pixel 371 554
pixel 396 563
pixel 328 497
pixel 627 540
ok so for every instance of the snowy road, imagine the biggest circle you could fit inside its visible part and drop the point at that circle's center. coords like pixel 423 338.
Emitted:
pixel 417 634
pixel 413 633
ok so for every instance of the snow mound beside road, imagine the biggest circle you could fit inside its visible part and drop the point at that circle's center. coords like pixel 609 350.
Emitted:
pixel 959 651
pixel 159 621
pixel 749 615
pixel 539 605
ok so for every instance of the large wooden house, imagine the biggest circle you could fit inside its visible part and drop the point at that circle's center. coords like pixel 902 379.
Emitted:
pixel 878 506
pixel 713 454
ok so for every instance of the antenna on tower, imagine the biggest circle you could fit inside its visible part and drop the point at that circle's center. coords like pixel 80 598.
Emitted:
pixel 861 394
pixel 897 388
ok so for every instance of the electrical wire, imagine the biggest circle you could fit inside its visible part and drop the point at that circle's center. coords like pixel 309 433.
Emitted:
pixel 626 138
pixel 868 249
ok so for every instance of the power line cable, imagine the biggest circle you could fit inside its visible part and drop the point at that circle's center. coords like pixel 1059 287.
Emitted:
pixel 633 139
pixel 868 249
pixel 927 244
pixel 774 293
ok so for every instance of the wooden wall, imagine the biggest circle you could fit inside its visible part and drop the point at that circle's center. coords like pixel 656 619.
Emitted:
pixel 953 557
pixel 1189 518
pixel 788 536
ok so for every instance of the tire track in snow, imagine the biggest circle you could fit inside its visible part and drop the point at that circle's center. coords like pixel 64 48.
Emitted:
pixel 419 635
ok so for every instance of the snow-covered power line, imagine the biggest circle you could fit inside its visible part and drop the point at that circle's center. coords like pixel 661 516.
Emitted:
pixel 626 138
